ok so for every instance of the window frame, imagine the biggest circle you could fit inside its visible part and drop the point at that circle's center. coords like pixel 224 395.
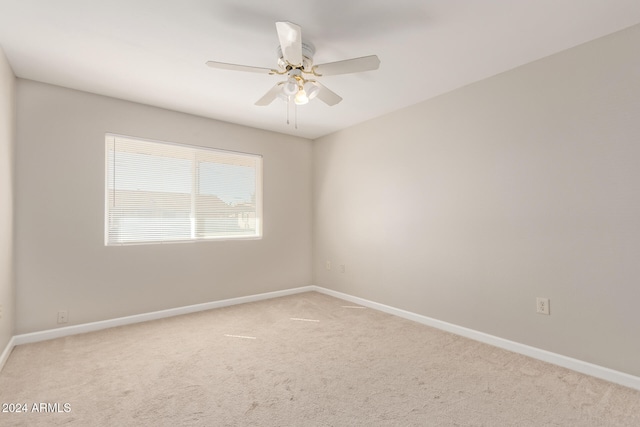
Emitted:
pixel 258 195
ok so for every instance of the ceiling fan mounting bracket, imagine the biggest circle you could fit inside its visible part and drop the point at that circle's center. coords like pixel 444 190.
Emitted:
pixel 308 50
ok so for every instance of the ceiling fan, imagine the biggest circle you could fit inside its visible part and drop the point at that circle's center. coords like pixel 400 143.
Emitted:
pixel 295 60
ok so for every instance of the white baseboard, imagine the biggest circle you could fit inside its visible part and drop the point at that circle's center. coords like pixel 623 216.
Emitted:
pixel 597 371
pixel 7 351
pixel 128 320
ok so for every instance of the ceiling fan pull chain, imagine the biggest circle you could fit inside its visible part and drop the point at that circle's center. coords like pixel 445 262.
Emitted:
pixel 288 108
pixel 295 111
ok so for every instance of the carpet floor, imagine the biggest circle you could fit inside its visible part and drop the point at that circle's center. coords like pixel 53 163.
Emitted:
pixel 301 360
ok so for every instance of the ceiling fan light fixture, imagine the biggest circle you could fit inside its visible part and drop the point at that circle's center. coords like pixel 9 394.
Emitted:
pixel 301 97
pixel 311 89
pixel 290 87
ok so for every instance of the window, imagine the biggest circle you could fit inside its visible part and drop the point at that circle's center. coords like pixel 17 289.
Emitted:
pixel 161 192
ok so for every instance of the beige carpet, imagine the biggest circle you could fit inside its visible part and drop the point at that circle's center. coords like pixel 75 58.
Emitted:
pixel 302 360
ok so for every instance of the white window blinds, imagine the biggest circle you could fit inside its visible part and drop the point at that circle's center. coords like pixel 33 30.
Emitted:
pixel 162 192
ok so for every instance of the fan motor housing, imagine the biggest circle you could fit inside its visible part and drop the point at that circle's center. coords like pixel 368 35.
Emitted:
pixel 307 57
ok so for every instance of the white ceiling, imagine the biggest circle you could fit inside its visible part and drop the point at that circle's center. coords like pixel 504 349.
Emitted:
pixel 154 51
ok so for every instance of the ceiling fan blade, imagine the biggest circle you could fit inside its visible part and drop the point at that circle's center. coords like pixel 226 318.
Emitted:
pixel 327 96
pixel 356 65
pixel 235 67
pixel 270 96
pixel 290 36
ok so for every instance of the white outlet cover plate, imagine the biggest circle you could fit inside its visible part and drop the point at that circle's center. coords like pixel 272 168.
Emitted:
pixel 542 306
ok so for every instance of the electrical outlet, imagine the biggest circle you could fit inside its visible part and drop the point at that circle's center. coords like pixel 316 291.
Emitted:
pixel 328 265
pixel 342 268
pixel 62 316
pixel 542 306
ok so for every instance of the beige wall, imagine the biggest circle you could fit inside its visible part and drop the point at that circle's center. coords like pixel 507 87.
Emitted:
pixel 467 207
pixel 7 137
pixel 61 260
